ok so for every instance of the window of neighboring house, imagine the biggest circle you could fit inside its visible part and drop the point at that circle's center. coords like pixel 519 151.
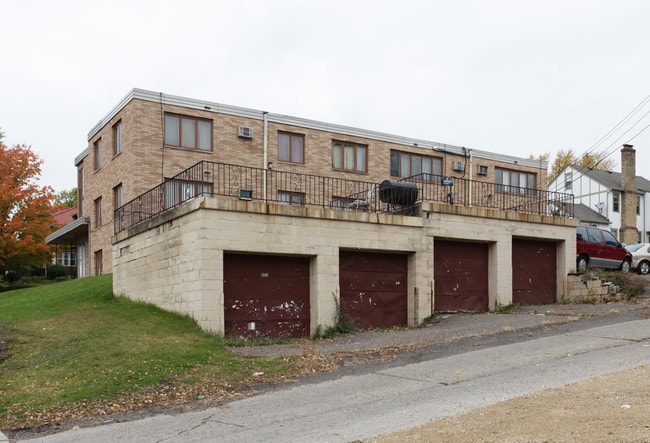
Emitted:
pixel 638 205
pixel 98 153
pixel 615 232
pixel 510 181
pixel 67 258
pixel 188 132
pixel 616 201
pixel 117 138
pixel 291 198
pixel 291 147
pixel 349 157
pixel 568 181
pixel 179 191
pixel 99 262
pixel 98 212
pixel 405 164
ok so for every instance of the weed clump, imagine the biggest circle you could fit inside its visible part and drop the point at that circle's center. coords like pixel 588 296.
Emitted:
pixel 343 323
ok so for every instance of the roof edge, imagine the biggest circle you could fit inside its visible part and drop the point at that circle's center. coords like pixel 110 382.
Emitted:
pixel 70 227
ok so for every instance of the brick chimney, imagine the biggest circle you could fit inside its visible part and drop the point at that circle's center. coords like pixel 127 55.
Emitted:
pixel 629 233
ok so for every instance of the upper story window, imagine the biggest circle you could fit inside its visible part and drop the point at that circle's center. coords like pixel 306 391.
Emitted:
pixel 117 138
pixel 616 201
pixel 97 148
pixel 98 212
pixel 568 181
pixel 80 191
pixel 507 180
pixel 405 164
pixel 291 147
pixel 188 132
pixel 349 157
pixel 117 196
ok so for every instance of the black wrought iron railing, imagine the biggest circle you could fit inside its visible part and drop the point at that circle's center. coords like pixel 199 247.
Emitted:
pixel 288 188
pixel 491 195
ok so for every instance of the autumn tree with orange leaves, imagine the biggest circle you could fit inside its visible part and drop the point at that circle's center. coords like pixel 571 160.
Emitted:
pixel 25 208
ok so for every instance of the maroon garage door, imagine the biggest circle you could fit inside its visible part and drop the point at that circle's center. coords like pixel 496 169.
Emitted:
pixel 533 271
pixel 460 271
pixel 374 288
pixel 266 296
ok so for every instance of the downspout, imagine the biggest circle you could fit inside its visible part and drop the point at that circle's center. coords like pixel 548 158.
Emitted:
pixel 265 165
pixel 468 154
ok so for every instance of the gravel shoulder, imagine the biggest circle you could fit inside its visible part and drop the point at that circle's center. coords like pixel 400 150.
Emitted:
pixel 614 408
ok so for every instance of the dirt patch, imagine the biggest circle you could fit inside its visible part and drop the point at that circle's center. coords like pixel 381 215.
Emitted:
pixel 604 409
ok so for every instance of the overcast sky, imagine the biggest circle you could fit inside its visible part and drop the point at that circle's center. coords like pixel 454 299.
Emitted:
pixel 515 77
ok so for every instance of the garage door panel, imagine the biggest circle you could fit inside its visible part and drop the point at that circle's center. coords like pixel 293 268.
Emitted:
pixel 375 262
pixel 293 328
pixel 533 271
pixel 266 296
pixel 373 281
pixel 461 276
pixel 374 288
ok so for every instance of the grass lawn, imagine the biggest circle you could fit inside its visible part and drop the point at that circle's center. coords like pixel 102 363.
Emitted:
pixel 74 350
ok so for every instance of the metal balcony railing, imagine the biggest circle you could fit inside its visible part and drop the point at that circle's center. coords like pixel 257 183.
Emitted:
pixel 288 188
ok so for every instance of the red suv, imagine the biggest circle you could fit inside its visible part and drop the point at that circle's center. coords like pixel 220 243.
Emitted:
pixel 598 248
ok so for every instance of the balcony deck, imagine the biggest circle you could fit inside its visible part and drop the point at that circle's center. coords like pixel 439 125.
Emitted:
pixel 404 196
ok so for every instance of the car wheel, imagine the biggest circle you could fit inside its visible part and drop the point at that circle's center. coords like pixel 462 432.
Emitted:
pixel 643 268
pixel 625 266
pixel 583 260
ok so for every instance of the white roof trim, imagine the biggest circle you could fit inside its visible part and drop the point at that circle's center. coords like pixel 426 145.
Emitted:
pixel 67 229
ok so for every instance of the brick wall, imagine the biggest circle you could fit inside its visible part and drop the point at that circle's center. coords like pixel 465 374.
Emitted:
pixel 145 162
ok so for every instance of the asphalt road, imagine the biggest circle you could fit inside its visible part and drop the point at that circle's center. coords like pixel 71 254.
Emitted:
pixel 359 406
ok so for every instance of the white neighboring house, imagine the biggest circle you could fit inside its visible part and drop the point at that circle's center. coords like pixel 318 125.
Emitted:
pixel 601 191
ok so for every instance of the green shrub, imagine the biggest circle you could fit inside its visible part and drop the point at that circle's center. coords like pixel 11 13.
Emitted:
pixel 56 271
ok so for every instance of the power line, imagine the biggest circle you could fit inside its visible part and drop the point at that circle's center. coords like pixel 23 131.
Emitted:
pixel 614 145
pixel 636 109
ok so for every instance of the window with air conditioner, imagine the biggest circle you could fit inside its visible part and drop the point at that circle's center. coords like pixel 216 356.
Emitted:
pixel 482 170
pixel 458 166
pixel 245 132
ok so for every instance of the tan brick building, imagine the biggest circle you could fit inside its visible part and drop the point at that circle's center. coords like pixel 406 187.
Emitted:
pixel 150 137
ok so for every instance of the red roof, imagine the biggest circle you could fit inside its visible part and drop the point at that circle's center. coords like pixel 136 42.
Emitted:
pixel 65 216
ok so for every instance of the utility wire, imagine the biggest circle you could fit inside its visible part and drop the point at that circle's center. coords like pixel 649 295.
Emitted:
pixel 619 124
pixel 614 143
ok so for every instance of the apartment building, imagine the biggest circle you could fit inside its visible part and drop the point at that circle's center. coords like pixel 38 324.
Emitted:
pixel 200 207
pixel 149 137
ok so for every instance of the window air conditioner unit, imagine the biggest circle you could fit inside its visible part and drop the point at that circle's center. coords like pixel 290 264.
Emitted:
pixel 245 194
pixel 245 132
pixel 459 166
pixel 482 170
